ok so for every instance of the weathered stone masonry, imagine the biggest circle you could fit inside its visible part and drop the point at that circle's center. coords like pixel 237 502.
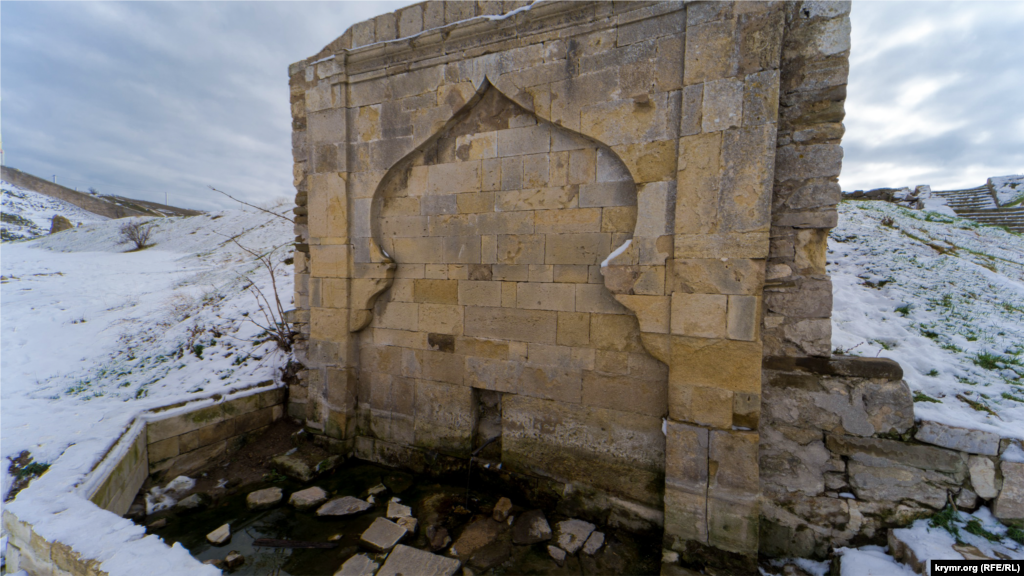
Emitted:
pixel 462 181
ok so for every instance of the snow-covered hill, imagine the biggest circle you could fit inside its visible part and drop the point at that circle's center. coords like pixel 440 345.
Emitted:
pixel 27 214
pixel 942 296
pixel 93 334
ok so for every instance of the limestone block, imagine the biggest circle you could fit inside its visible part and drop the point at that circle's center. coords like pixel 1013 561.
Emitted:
pixel 477 146
pixel 417 250
pixel 746 179
pixel 511 323
pixel 701 404
pixel 586 248
pixel 541 273
pixel 526 140
pixel 479 293
pixel 711 52
pixel 410 21
pixel 761 98
pixel 983 476
pixel 553 198
pixel 582 166
pixel 727 245
pixel 508 293
pixel 686 456
pixel 546 296
pixel 453 178
pixel 437 204
pixel 652 312
pixel 795 162
pixel 597 299
pixel 743 317
pixel 654 209
pixel 265 498
pixel 397 316
pixel 715 276
pixel 726 364
pixel 360 564
pixel 308 498
pixel 620 219
pixel 436 291
pixel 619 332
pixel 733 524
pixel 686 516
pixel 722 104
pixel 963 439
pixel 506 223
pixel 382 535
pixel 520 248
pixel 1009 506
pixel 600 194
pixel 571 535
pixel 624 392
pixel 407 560
pixel 894 482
pixel 330 261
pixel 699 179
pixel 573 329
pixel 474 202
pixel 699 315
pixel 493 374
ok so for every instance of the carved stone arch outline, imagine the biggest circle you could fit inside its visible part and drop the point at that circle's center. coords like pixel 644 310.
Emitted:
pixel 638 288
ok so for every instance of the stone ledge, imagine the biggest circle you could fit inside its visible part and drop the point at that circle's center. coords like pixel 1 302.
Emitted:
pixel 852 366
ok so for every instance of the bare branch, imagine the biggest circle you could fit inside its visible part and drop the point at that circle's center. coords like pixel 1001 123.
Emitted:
pixel 253 205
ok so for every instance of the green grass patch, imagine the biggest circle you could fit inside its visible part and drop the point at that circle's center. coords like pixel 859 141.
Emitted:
pixel 922 397
pixel 974 527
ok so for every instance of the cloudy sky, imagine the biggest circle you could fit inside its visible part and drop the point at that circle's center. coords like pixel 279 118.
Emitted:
pixel 147 98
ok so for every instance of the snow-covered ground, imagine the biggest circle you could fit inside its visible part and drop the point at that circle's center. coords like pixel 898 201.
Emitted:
pixel 1009 189
pixel 93 334
pixel 27 214
pixel 942 296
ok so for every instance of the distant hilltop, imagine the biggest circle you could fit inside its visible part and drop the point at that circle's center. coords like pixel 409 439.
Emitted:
pixel 105 205
pixel 999 202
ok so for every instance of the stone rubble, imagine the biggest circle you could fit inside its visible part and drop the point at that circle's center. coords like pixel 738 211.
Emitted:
pixel 557 554
pixel 572 534
pixel 382 535
pixel 308 498
pixel 265 498
pixel 343 506
pixel 594 543
pixel 405 560
pixel 531 527
pixel 396 510
pixel 233 560
pixel 502 509
pixel 438 537
pixel 1009 506
pixel 983 476
pixel 220 536
pixel 292 466
pixel 358 565
pixel 410 524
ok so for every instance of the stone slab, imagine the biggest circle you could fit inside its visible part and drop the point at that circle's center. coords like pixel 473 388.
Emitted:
pixel 407 560
pixel 358 565
pixel 531 527
pixel 963 439
pixel 308 498
pixel 343 506
pixel 265 498
pixel 573 534
pixel 382 535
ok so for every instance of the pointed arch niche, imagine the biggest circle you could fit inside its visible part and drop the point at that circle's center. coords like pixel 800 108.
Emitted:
pixel 498 226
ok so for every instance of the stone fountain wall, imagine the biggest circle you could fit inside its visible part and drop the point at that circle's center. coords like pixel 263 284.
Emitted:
pixel 573 230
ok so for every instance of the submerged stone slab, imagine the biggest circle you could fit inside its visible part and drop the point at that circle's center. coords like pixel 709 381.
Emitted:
pixel 343 506
pixel 572 534
pixel 594 543
pixel 407 560
pixel 358 565
pixel 265 498
pixel 531 527
pixel 308 498
pixel 963 439
pixel 382 535
pixel 396 510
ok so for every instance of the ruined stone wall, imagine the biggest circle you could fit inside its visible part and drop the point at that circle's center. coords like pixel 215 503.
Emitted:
pixel 463 182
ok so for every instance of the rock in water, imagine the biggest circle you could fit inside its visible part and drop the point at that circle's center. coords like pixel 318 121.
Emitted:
pixel 382 535
pixel 502 509
pixel 292 466
pixel 358 565
pixel 407 560
pixel 572 534
pixel 193 502
pixel 59 223
pixel 439 538
pixel 265 498
pixel 343 507
pixel 308 498
pixel 476 536
pixel 557 554
pixel 594 543
pixel 233 560
pixel 532 527
pixel 396 510
pixel 220 536
pixel 409 523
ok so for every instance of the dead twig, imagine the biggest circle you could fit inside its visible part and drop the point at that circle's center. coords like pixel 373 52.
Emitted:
pixel 252 205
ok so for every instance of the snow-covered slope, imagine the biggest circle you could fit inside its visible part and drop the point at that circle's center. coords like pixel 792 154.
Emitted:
pixel 1009 189
pixel 942 296
pixel 93 334
pixel 27 214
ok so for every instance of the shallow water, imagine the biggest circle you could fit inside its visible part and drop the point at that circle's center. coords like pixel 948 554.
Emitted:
pixel 444 504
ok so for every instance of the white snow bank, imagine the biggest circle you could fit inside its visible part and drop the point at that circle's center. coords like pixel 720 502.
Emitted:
pixel 870 561
pixel 942 296
pixel 27 214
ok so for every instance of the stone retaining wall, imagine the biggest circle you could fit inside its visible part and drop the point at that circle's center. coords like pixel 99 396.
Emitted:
pixel 165 442
pixel 842 459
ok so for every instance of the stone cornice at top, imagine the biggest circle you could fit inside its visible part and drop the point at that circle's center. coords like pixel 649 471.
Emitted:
pixel 543 16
